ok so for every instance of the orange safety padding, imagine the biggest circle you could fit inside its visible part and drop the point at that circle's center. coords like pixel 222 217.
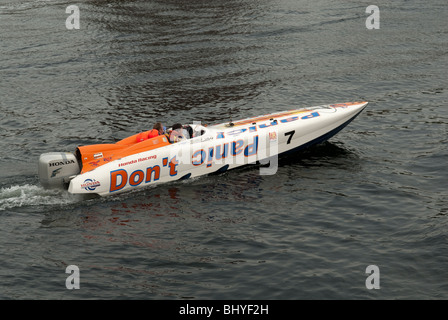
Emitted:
pixel 153 133
pixel 142 136
pixel 97 155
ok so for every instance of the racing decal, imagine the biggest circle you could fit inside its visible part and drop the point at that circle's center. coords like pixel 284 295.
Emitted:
pixel 152 174
pixel 238 131
pixel 236 147
pixel 173 164
pixel 269 116
pixel 90 184
pixel 98 155
pixel 60 163
pixel 289 135
pixel 147 158
pixel 290 119
pixel 127 163
pixel 122 177
pixel 198 157
pixel 210 156
pixel 107 159
pixel 220 154
pixel 251 149
pixel 207 139
pixel 136 178
pixel 95 163
pixel 292 113
pixel 273 122
pixel 136 160
pixel 55 172
pixel 312 115
pixel 118 179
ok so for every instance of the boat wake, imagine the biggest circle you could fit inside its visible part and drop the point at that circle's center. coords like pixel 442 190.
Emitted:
pixel 31 195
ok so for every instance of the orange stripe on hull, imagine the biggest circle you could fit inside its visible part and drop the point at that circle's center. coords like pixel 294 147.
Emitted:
pixel 287 113
pixel 268 116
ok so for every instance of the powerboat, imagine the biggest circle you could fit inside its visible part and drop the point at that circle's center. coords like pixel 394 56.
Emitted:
pixel 128 164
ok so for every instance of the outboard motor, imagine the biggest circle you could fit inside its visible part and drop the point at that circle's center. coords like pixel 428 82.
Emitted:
pixel 56 169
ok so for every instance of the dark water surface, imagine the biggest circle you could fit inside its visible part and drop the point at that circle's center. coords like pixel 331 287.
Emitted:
pixel 375 194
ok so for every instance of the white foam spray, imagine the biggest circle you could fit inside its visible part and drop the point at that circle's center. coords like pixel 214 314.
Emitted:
pixel 32 195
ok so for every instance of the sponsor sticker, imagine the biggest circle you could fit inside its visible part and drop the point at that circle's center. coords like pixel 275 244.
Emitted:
pixel 90 184
pixel 55 172
pixel 60 163
pixel 98 155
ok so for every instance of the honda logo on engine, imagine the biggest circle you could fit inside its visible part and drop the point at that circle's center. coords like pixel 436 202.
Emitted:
pixel 60 163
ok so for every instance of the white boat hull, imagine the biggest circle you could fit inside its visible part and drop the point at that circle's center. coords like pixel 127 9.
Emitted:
pixel 221 147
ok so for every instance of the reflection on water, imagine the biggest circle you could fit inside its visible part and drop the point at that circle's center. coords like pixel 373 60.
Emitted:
pixel 179 62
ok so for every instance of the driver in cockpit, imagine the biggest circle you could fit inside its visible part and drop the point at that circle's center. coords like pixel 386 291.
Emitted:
pixel 178 133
